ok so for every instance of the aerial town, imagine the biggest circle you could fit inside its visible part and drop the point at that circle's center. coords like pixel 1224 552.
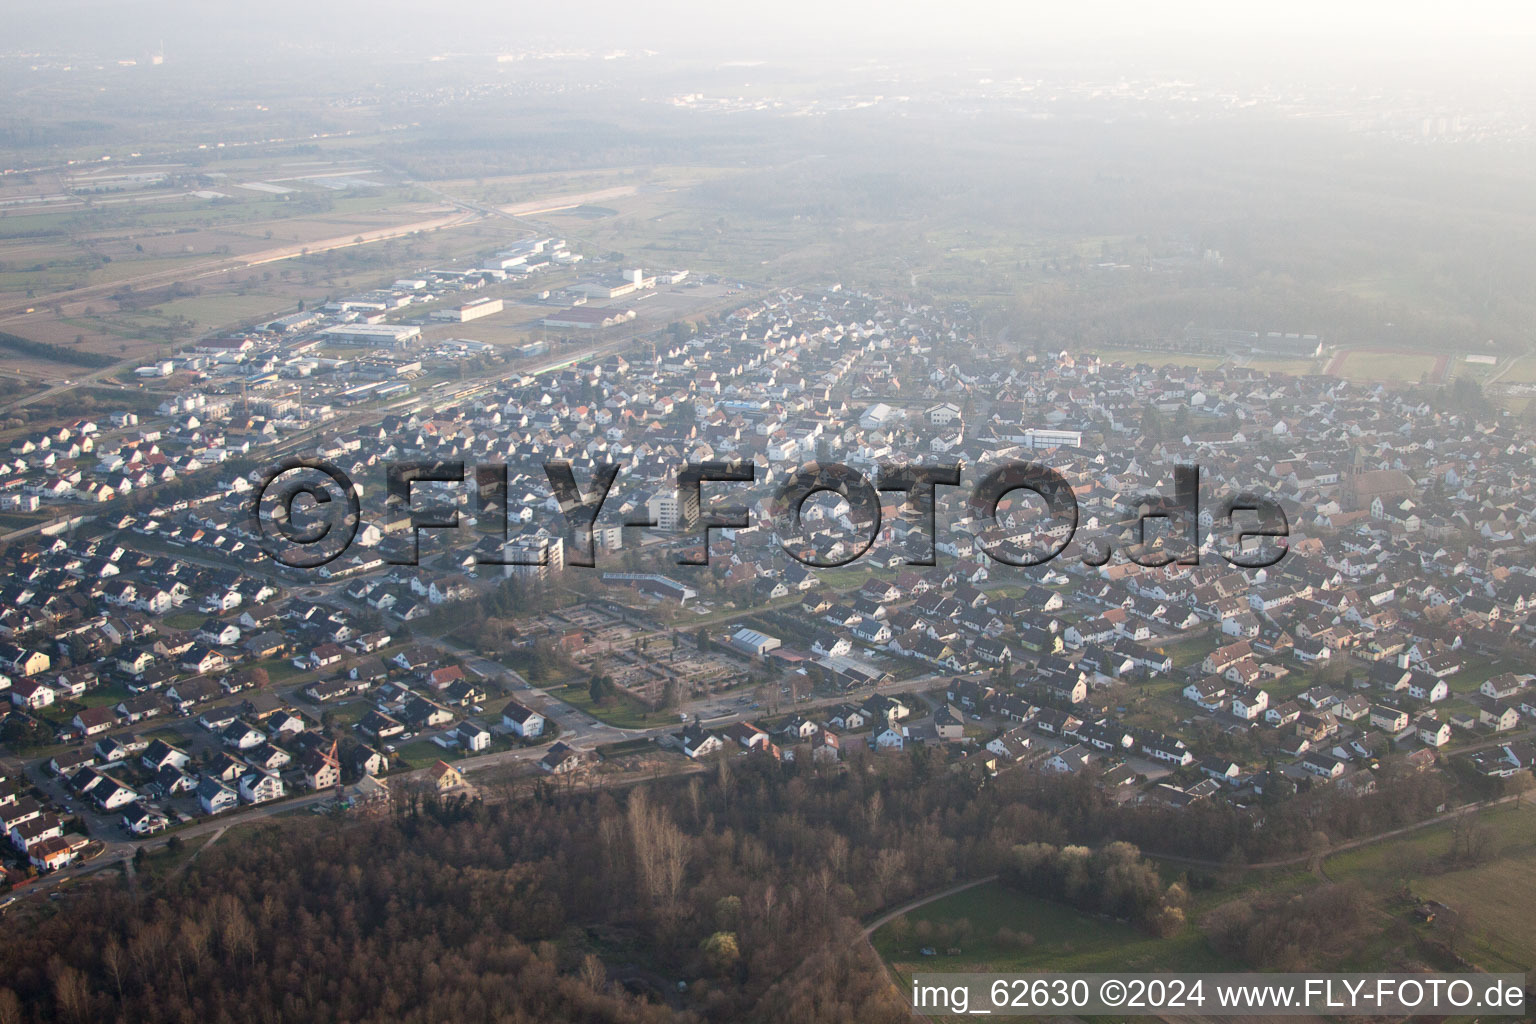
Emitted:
pixel 724 514
pixel 161 670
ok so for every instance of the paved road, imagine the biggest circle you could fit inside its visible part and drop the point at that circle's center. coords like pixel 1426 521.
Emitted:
pixel 120 850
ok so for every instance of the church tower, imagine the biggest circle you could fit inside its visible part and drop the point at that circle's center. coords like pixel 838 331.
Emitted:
pixel 1351 495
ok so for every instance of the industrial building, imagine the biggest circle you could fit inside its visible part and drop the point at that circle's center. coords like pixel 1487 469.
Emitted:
pixel 750 641
pixel 371 334
pixel 634 280
pixel 587 318
pixel 473 310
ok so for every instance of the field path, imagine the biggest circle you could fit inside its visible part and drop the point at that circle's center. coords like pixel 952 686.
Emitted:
pixel 892 915
pixel 1307 858
pixel 217 835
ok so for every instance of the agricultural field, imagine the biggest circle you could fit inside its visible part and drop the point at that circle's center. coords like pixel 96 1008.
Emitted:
pixel 1495 894
pixel 656 217
pixel 1516 371
pixel 1373 364
pixel 671 229
pixel 134 279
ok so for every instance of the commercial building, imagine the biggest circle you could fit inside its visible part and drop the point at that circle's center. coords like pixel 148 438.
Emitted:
pixel 1038 438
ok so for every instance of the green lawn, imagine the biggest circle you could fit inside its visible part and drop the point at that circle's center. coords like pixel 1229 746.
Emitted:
pixel 1064 939
pixel 103 695
pixel 345 714
pixel 621 710
pixel 423 753
pixel 281 671
pixel 1476 672
pixel 1378 864
pixel 1187 651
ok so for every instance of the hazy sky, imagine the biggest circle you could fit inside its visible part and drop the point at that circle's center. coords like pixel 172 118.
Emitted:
pixel 1175 31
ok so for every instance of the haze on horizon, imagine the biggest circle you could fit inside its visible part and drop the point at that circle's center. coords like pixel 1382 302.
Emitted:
pixel 1483 42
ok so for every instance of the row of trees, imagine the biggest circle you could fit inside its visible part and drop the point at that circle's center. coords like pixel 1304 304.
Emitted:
pixel 1113 880
pixel 1291 932
pixel 57 353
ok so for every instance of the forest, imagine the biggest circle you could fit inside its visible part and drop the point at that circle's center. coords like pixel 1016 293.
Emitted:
pixel 747 884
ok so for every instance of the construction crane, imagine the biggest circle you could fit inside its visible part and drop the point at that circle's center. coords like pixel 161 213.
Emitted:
pixel 330 758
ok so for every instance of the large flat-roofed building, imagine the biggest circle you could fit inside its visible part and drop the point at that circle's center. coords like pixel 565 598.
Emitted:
pixel 587 318
pixel 603 290
pixel 371 334
pixel 294 322
pixel 633 281
pixel 1039 438
pixel 469 310
pixel 750 641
